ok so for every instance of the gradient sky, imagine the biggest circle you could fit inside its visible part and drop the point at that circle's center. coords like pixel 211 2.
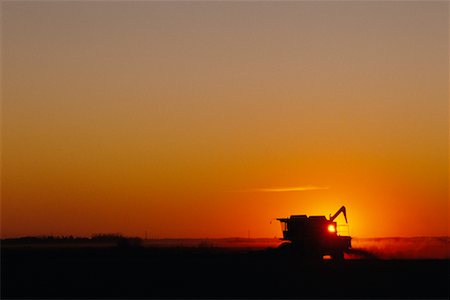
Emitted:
pixel 208 119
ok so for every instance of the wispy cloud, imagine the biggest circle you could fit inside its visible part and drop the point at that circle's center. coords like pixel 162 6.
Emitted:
pixel 291 189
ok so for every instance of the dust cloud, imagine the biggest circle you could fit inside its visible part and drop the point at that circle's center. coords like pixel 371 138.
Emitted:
pixel 400 248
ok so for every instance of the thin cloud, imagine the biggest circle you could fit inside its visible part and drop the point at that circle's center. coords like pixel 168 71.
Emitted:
pixel 291 189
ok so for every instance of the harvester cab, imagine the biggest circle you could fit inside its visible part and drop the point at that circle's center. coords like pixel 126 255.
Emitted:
pixel 315 236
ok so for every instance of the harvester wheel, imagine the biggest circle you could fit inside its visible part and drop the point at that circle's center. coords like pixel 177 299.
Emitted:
pixel 285 248
pixel 338 256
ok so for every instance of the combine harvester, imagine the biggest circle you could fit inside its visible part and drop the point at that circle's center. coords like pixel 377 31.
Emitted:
pixel 314 237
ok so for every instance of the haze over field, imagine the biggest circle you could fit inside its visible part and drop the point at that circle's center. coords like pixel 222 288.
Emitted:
pixel 209 119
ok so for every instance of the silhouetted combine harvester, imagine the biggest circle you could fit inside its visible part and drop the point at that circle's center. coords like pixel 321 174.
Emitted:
pixel 314 237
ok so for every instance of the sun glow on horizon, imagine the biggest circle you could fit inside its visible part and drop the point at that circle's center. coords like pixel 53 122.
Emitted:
pixel 331 228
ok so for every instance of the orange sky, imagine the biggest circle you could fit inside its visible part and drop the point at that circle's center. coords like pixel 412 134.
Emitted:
pixel 176 118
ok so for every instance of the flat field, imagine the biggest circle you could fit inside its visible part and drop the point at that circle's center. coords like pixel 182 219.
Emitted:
pixel 210 272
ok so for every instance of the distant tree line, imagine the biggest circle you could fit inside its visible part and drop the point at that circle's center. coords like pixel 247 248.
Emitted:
pixel 107 238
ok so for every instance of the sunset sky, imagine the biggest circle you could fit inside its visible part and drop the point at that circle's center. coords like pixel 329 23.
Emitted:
pixel 210 118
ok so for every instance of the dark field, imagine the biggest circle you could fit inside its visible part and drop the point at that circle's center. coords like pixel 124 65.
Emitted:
pixel 111 272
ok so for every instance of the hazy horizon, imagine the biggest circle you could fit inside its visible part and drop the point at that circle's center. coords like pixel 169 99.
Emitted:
pixel 385 248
